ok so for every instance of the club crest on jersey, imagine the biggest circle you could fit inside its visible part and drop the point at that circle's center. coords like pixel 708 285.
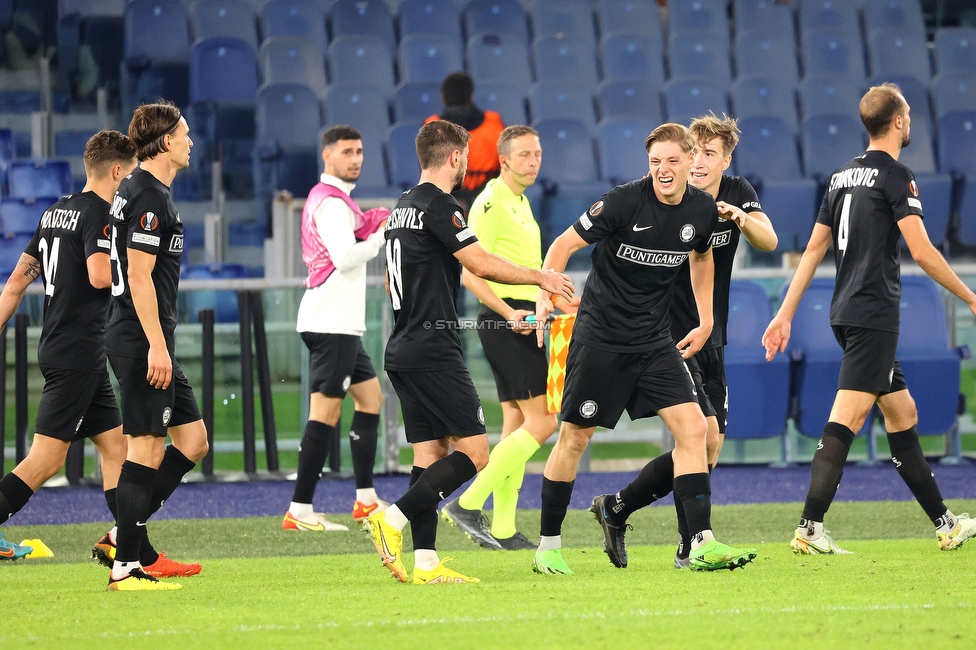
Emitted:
pixel 149 221
pixel 588 409
pixel 458 220
pixel 167 416
pixel 596 209
pixel 346 383
pixel 687 233
pixel 481 415
pixel 913 187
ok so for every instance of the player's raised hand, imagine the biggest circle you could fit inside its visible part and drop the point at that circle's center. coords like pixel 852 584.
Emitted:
pixel 160 368
pixel 693 342
pixel 557 283
pixel 731 213
pixel 776 336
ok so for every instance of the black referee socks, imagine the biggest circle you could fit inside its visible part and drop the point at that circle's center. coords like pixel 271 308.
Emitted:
pixel 654 482
pixel 14 495
pixel 362 444
pixel 134 502
pixel 423 526
pixel 827 469
pixel 907 456
pixel 436 483
pixel 314 450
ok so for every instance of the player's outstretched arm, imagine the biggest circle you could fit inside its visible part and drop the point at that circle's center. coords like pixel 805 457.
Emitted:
pixel 755 226
pixel 931 261
pixel 497 269
pixel 777 334
pixel 556 259
pixel 483 292
pixel 702 269
pixel 144 300
pixel 99 270
pixel 28 269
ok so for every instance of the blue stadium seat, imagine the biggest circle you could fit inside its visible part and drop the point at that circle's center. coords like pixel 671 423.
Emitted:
pixel 894 14
pixel 631 98
pixel 967 213
pixel 935 191
pixel 297 18
pixel 223 70
pixel 224 303
pixel 155 67
pixel 508 100
pixel 759 391
pixel 417 101
pixel 916 94
pixel 829 96
pixel 568 149
pixel 11 248
pixel 770 56
pixel 565 60
pixel 285 154
pixel 571 19
pixel 7 155
pixel 94 25
pixel 363 107
pixel 792 206
pixel 700 17
pixel 955 50
pixel 833 54
pixel 930 365
pixel 21 216
pixel 899 52
pixel 559 100
pixel 361 60
pixel 290 59
pixel 71 143
pixel 401 150
pixel 503 59
pixel 919 157
pixel 953 92
pixel 504 18
pixel 758 97
pixel 695 57
pixel 830 141
pixel 30 179
pixel 224 19
pixel 832 15
pixel 639 17
pixel 957 142
pixel 767 149
pixel 686 99
pixel 762 17
pixel 632 56
pixel 363 18
pixel 429 17
pixel 429 57
pixel 620 142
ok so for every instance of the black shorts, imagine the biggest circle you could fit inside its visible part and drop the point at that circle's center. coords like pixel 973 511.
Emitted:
pixel 76 405
pixel 712 364
pixel 519 365
pixel 600 384
pixel 869 364
pixel 438 404
pixel 337 362
pixel 698 376
pixel 151 411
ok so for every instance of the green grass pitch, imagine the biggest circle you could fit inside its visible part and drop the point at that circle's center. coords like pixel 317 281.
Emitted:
pixel 264 588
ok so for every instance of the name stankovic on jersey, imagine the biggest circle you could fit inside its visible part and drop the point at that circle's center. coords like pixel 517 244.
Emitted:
pixel 855 177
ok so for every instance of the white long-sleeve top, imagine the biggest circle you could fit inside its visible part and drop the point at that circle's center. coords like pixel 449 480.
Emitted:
pixel 338 306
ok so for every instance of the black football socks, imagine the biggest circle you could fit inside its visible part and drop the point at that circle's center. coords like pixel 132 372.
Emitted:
pixel 826 470
pixel 654 482
pixel 906 454
pixel 362 444
pixel 134 502
pixel 312 454
pixel 556 496
pixel 436 483
pixel 423 525
pixel 14 495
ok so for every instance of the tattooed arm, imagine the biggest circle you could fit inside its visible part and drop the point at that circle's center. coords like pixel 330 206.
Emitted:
pixel 28 269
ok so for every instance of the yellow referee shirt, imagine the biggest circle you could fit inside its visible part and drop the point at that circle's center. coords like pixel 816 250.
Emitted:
pixel 505 226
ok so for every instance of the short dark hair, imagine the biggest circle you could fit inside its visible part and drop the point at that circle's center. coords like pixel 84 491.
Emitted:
pixel 671 132
pixel 457 89
pixel 509 134
pixel 150 123
pixel 339 132
pixel 437 140
pixel 106 148
pixel 879 106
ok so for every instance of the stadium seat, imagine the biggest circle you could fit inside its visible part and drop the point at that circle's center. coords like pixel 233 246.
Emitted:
pixel 429 17
pixel 957 142
pixel 967 213
pixel 499 59
pixel 829 96
pixel 224 19
pixel 694 57
pixel 558 100
pixel 930 365
pixel 935 190
pixel 290 59
pixel 224 303
pixel 632 56
pixel 899 52
pixel 504 18
pixel 703 17
pixel 417 101
pixel 361 60
pixel 568 149
pixel 285 154
pixel 21 216
pixel 508 100
pixel 832 15
pixel 620 142
pixel 894 14
pixel 833 54
pixel 565 60
pixel 767 149
pixel 11 248
pixel 223 70
pixel 953 92
pixel 830 141
pixel 429 57
pixel 685 99
pixel 769 56
pixel 762 17
pixel 297 18
pixel 350 18
pixel 919 156
pixel 30 179
pixel 7 155
pixel 630 98
pixel 401 149
pixel 916 94
pixel 758 391
pixel 572 19
pixel 758 97
pixel 640 17
pixel 955 50
pixel 792 206
pixel 95 26
pixel 155 67
pixel 363 107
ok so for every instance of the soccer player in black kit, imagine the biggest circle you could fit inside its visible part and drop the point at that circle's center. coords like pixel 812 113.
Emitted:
pixel 740 214
pixel 147 243
pixel 622 354
pixel 870 202
pixel 70 252
pixel 428 241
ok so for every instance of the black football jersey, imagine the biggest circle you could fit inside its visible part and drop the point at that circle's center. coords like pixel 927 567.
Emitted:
pixel 423 232
pixel 145 219
pixel 640 244
pixel 865 200
pixel 737 191
pixel 69 232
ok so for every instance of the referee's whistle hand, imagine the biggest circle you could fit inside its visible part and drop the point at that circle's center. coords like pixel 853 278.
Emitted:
pixel 557 283
pixel 160 368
